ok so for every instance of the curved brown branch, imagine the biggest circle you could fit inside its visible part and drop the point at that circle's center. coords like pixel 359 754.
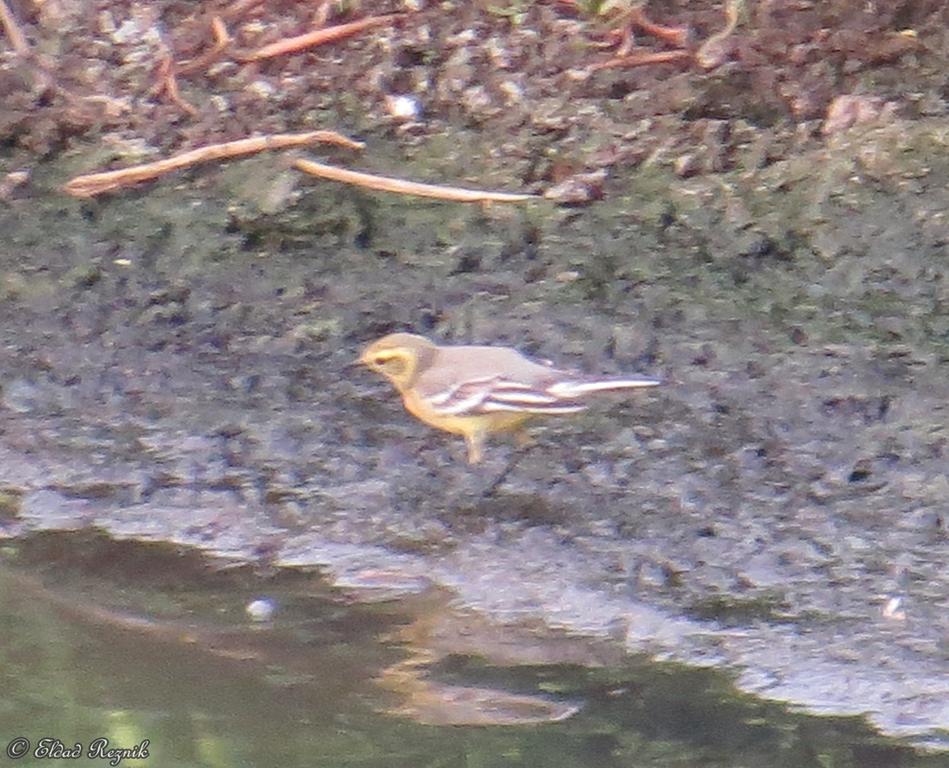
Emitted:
pixel 641 59
pixel 677 36
pixel 12 29
pixel 402 187
pixel 93 184
pixel 322 36
pixel 168 83
pixel 222 40
pixel 713 52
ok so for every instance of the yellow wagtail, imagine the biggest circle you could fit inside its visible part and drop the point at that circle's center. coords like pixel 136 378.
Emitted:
pixel 475 391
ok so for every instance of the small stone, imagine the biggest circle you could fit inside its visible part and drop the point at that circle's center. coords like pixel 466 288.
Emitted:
pixel 579 189
pixel 261 609
pixel 402 108
pixel 847 111
pixel 686 166
pixel 261 88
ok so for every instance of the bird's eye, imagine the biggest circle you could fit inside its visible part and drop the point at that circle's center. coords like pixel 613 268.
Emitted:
pixel 391 365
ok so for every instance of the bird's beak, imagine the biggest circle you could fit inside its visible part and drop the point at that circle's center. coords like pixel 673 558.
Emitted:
pixel 354 364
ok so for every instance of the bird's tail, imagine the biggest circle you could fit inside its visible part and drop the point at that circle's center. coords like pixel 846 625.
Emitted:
pixel 573 389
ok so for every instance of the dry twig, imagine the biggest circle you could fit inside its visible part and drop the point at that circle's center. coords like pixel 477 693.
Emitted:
pixel 625 55
pixel 677 36
pixel 713 51
pixel 322 36
pixel 641 59
pixel 12 29
pixel 400 186
pixel 168 83
pixel 221 41
pixel 93 184
pixel 240 8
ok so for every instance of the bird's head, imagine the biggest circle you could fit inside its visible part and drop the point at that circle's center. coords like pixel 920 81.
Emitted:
pixel 399 357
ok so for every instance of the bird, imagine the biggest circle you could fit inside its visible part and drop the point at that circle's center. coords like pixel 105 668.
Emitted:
pixel 477 391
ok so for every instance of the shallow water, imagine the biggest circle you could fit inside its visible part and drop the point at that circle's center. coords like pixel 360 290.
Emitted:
pixel 134 643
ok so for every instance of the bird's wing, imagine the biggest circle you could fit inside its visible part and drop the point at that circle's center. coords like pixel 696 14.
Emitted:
pixel 463 384
pixel 493 394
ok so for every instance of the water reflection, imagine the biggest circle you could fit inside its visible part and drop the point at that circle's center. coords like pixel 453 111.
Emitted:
pixel 133 642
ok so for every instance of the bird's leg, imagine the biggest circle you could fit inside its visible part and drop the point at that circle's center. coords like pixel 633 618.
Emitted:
pixel 475 442
pixel 523 440
pixel 496 483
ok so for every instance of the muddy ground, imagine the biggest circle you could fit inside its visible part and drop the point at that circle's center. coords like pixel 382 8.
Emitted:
pixel 174 357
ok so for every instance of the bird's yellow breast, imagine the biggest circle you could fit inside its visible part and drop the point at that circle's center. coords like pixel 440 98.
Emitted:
pixel 482 423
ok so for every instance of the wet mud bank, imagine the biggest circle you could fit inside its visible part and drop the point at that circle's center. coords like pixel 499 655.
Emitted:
pixel 175 369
